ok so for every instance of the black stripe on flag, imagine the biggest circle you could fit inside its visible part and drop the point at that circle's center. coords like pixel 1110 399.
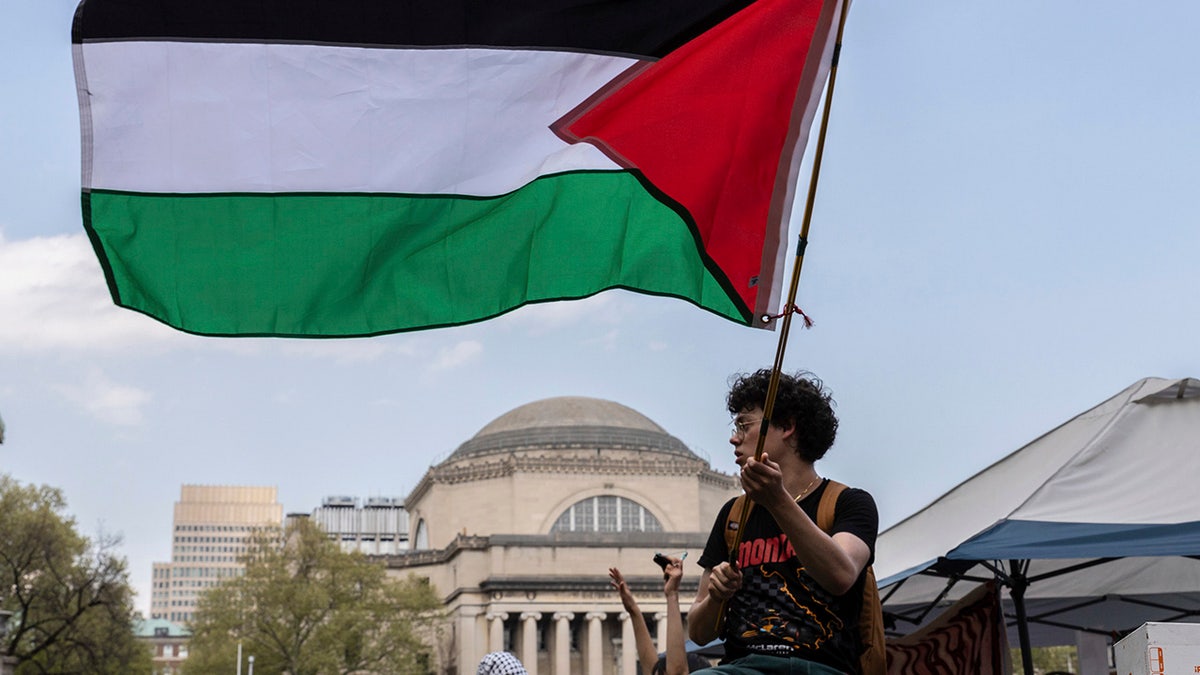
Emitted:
pixel 641 28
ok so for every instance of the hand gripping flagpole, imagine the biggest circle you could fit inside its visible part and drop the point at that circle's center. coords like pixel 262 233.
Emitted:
pixel 790 307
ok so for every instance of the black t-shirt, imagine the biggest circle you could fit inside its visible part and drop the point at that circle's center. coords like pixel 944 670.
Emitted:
pixel 780 610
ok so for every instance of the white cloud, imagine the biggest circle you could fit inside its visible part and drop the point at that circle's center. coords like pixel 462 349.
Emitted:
pixel 606 341
pixel 109 402
pixel 545 317
pixel 457 355
pixel 53 297
pixel 351 350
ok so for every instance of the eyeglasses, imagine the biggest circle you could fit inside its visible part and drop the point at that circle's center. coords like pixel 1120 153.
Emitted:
pixel 740 427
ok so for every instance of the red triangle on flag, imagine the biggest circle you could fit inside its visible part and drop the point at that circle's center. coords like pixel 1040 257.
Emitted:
pixel 718 126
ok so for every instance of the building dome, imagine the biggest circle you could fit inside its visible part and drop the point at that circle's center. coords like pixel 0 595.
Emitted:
pixel 570 423
pixel 515 527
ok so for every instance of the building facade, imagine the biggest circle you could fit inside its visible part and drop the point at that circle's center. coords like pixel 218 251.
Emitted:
pixel 518 526
pixel 209 536
pixel 378 527
pixel 167 642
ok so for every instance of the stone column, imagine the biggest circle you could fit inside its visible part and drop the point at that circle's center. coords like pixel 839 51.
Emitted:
pixel 629 655
pixel 496 631
pixel 562 642
pixel 660 620
pixel 529 641
pixel 595 652
pixel 469 633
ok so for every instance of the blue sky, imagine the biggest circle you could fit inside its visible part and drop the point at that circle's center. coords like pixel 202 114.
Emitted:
pixel 1005 235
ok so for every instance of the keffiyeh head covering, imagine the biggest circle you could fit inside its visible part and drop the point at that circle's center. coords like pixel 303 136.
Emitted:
pixel 500 663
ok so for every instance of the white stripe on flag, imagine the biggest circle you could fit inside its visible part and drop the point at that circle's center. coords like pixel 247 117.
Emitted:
pixel 192 117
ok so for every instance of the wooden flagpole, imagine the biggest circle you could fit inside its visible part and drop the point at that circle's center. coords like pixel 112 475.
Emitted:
pixel 802 244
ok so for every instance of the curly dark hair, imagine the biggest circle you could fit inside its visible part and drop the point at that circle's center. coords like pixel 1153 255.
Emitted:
pixel 801 399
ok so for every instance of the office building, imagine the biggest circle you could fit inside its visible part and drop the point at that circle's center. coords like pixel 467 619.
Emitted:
pixel 210 531
pixel 378 527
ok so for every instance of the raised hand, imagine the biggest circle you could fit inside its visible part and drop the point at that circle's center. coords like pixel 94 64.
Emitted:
pixel 618 583
pixel 672 575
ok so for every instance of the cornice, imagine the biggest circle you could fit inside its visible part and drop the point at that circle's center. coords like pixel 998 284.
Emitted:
pixel 499 586
pixel 643 462
pixel 651 541
pixel 516 462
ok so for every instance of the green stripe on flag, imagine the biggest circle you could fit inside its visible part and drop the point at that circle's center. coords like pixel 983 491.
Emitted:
pixel 363 264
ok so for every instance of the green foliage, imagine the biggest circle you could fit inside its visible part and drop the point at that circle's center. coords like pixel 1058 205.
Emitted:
pixel 305 607
pixel 70 597
pixel 1049 660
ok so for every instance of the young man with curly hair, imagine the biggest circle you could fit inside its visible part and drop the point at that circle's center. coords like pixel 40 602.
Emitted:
pixel 793 593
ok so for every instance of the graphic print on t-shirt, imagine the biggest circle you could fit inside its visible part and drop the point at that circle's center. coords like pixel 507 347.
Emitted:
pixel 780 608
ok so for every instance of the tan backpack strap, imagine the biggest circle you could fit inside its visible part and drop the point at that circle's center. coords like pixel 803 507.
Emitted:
pixel 733 535
pixel 733 525
pixel 828 506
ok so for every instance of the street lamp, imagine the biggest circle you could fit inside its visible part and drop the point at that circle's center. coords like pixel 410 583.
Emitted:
pixel 5 661
pixel 251 660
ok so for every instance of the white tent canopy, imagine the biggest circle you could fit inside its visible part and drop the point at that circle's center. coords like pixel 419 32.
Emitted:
pixel 1100 518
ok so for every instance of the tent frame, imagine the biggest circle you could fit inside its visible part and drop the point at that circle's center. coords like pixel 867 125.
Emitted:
pixel 1019 534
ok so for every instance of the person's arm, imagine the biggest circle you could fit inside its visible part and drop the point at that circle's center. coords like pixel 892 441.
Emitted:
pixel 834 562
pixel 717 585
pixel 647 654
pixel 676 645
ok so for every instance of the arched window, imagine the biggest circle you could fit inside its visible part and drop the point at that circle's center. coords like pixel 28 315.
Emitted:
pixel 422 538
pixel 606 513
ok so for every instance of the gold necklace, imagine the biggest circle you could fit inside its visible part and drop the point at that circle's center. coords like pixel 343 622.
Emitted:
pixel 804 492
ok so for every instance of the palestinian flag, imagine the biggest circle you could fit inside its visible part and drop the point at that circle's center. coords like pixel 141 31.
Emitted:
pixel 357 167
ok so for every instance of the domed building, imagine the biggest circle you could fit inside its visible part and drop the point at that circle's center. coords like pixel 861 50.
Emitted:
pixel 518 526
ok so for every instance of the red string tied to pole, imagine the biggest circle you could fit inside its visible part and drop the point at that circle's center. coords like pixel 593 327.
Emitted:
pixel 794 309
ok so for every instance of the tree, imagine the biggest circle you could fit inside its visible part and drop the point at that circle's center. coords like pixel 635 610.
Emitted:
pixel 1049 660
pixel 70 597
pixel 305 607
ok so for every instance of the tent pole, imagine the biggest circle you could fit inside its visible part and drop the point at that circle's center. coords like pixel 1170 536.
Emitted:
pixel 1017 583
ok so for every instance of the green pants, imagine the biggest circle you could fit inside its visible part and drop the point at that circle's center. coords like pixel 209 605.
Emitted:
pixel 758 664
